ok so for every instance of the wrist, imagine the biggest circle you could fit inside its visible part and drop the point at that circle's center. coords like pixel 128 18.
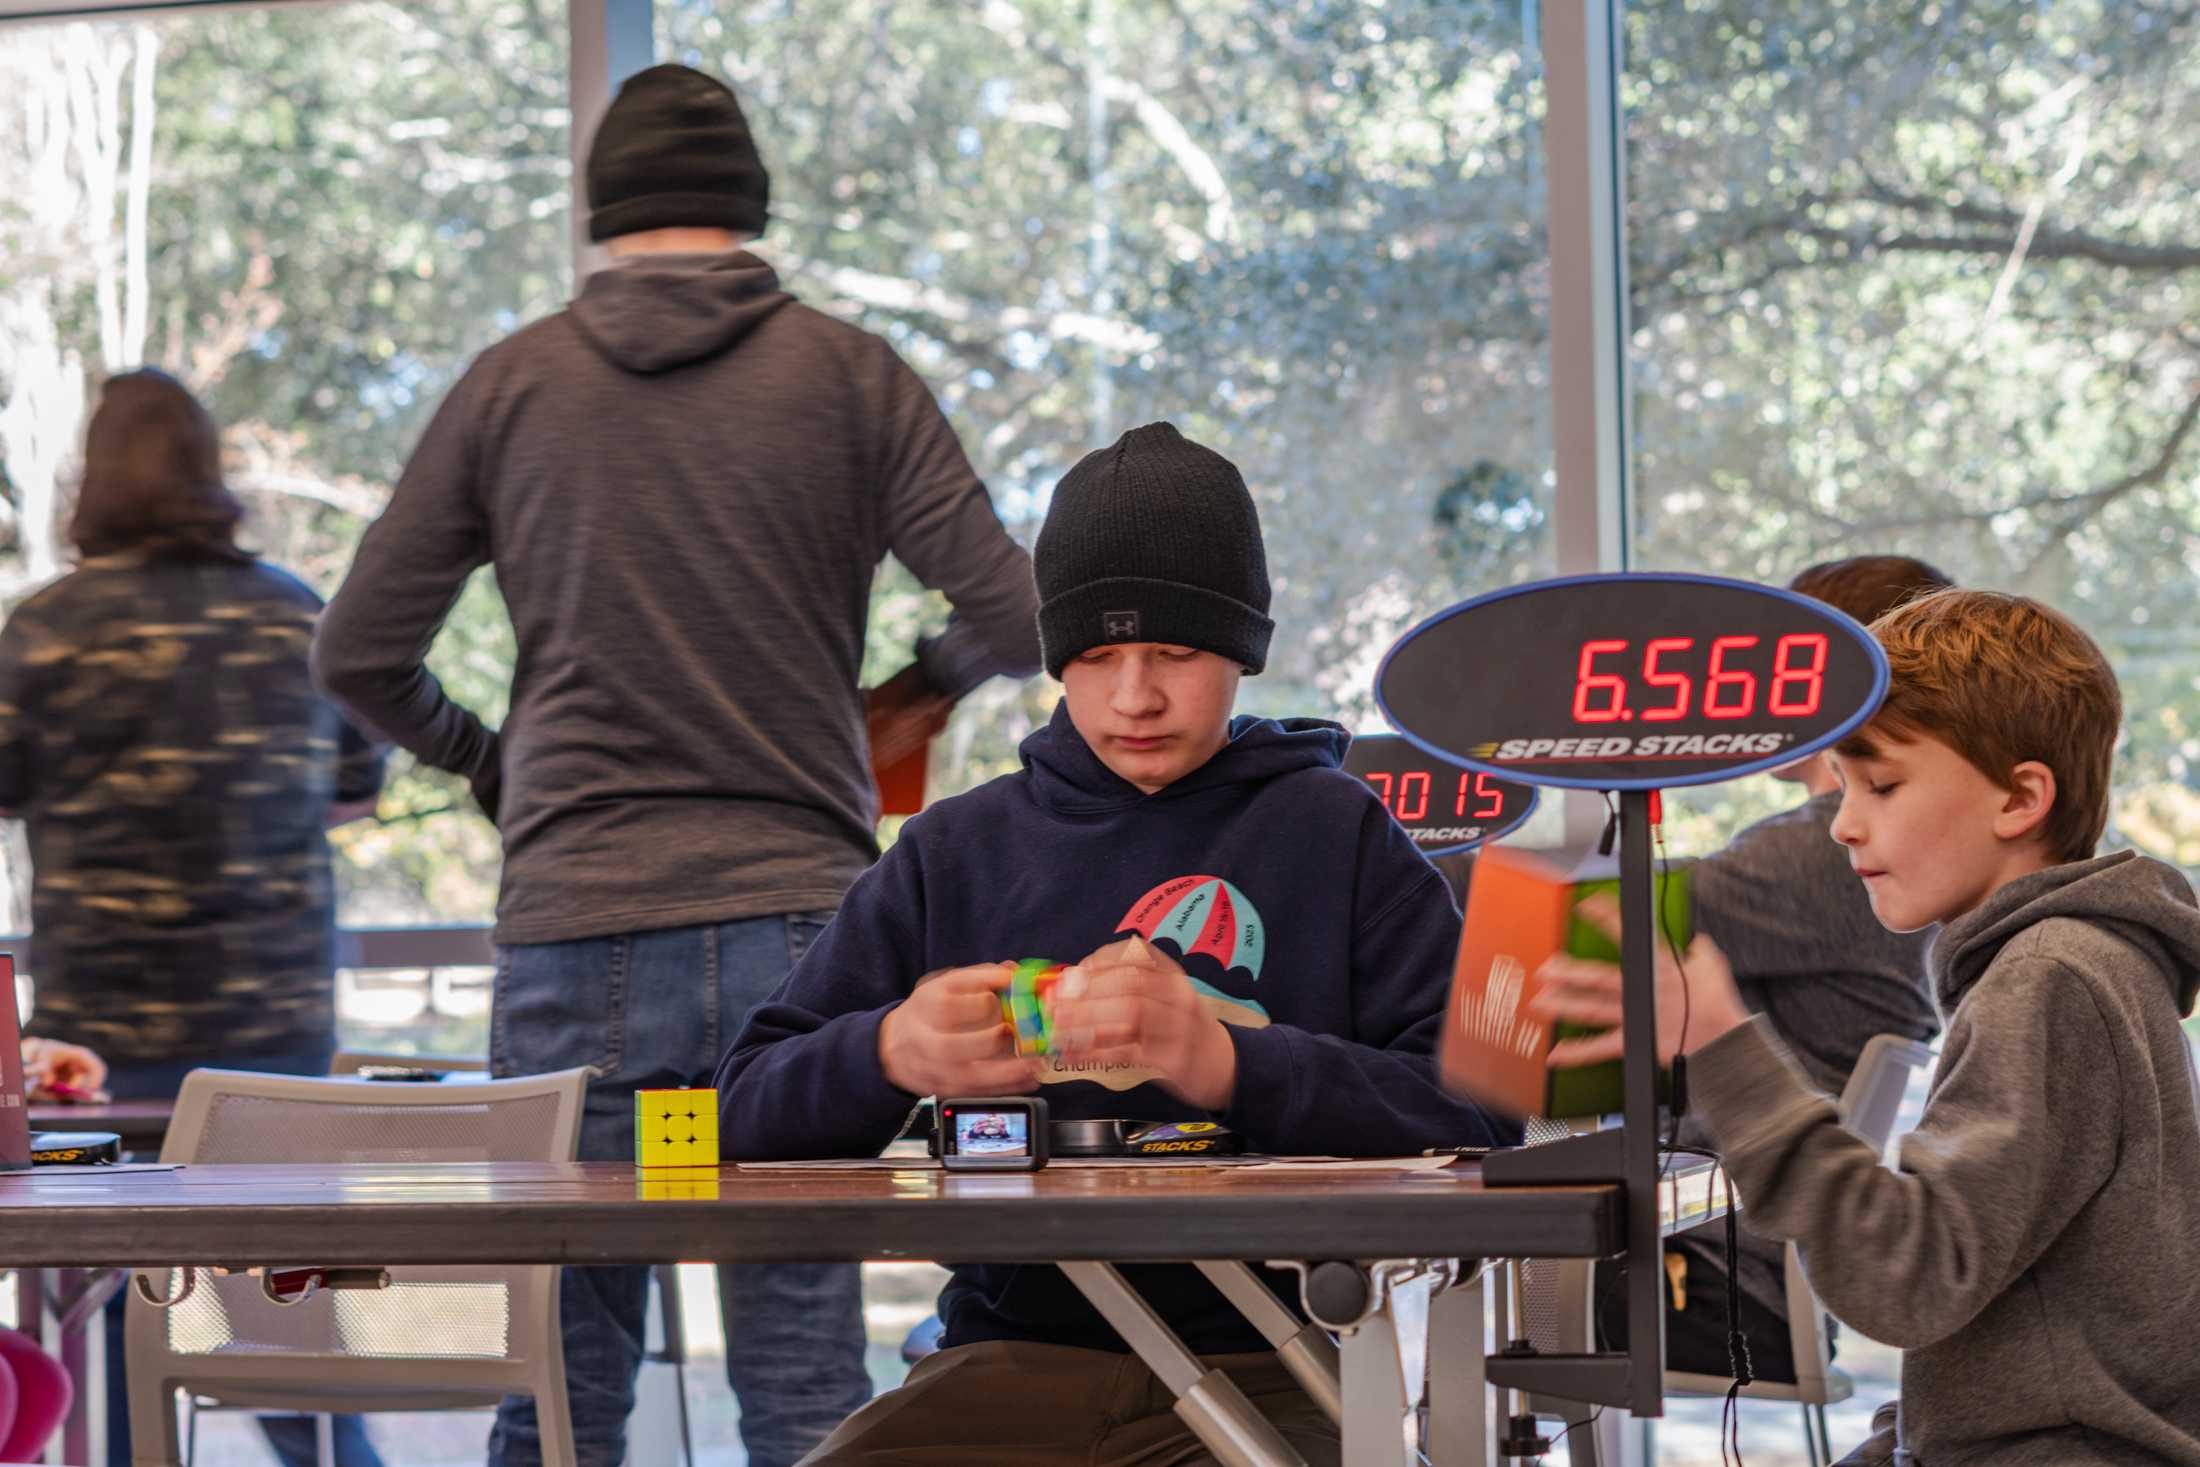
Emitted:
pixel 889 1034
pixel 1211 1080
pixel 1715 1023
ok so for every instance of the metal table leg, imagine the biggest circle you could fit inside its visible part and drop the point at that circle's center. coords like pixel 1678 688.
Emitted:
pixel 1386 1366
pixel 1305 1349
pixel 1207 1400
pixel 60 1308
pixel 1461 1430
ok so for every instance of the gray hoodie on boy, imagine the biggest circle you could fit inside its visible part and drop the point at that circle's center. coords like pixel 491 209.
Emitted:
pixel 2034 1255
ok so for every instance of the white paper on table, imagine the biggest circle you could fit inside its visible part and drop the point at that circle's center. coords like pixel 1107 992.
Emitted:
pixel 1355 1164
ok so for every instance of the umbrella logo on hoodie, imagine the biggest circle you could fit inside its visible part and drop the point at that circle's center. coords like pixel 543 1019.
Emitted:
pixel 1201 914
pixel 1183 916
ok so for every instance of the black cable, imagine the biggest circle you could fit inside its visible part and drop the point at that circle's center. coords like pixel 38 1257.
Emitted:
pixel 1738 1361
pixel 1589 1420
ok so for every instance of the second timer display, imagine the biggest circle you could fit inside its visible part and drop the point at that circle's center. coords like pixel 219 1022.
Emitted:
pixel 1443 807
pixel 1409 801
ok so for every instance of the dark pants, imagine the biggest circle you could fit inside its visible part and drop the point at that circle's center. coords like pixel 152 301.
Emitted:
pixel 1009 1403
pixel 655 1010
pixel 292 1437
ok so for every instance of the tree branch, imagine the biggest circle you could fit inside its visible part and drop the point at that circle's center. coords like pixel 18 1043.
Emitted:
pixel 358 501
pixel 2047 244
pixel 2080 506
pixel 1996 231
pixel 894 293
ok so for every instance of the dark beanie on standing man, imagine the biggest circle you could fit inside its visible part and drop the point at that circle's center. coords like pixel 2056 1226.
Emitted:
pixel 675 152
pixel 1153 539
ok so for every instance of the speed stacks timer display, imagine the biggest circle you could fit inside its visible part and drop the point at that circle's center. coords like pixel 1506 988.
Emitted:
pixel 1639 681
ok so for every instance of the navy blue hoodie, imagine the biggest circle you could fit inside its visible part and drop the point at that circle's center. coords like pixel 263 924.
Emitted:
pixel 1300 910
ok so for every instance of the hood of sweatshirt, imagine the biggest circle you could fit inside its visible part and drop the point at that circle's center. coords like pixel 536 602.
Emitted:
pixel 661 312
pixel 2141 900
pixel 1069 778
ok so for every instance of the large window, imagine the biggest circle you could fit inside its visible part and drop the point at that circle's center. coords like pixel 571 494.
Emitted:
pixel 314 215
pixel 1310 235
pixel 1922 280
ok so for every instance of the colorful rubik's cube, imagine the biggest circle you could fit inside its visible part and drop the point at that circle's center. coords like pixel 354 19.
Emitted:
pixel 1027 1005
pixel 676 1128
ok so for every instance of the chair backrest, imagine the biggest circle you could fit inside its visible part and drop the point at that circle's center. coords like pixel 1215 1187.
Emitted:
pixel 1555 1296
pixel 227 1329
pixel 352 1061
pixel 236 1117
pixel 1869 1107
pixel 1872 1100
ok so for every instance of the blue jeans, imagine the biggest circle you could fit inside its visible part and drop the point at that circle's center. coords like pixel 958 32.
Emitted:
pixel 292 1437
pixel 655 1010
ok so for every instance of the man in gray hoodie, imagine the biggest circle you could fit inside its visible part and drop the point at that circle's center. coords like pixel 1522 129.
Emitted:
pixel 2033 1254
pixel 685 482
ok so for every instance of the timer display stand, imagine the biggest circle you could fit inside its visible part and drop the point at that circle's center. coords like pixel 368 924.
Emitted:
pixel 1626 683
pixel 1633 1379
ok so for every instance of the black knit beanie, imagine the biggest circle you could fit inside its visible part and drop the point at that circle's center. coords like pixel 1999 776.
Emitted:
pixel 674 151
pixel 1153 539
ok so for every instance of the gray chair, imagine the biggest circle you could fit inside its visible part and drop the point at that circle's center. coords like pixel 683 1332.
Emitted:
pixel 670 1321
pixel 435 1339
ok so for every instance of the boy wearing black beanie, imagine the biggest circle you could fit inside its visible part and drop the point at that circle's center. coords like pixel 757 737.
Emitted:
pixel 1255 942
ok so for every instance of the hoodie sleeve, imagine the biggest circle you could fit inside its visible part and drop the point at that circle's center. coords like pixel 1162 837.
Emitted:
pixel 1373 1092
pixel 2020 1133
pixel 370 650
pixel 802 1080
pixel 939 522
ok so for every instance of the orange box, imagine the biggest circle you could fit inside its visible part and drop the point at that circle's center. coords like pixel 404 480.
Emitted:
pixel 1493 1049
pixel 1520 911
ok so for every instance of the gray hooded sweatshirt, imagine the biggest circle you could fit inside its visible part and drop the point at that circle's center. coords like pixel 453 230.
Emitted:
pixel 685 482
pixel 2034 1256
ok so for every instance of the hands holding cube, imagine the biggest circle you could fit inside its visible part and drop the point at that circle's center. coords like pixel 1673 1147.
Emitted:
pixel 970 1031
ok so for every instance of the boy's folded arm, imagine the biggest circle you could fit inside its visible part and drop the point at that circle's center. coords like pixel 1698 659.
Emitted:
pixel 2014 1142
pixel 803 1080
pixel 799 1086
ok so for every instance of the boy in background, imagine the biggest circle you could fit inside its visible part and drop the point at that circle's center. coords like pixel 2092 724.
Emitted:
pixel 2032 1257
pixel 1292 957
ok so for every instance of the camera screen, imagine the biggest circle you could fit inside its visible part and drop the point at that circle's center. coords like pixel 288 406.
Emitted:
pixel 992 1133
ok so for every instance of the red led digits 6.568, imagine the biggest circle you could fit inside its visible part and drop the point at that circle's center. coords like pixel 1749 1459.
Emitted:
pixel 1670 690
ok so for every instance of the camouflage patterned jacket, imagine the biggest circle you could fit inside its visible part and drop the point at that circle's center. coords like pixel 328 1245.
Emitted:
pixel 161 737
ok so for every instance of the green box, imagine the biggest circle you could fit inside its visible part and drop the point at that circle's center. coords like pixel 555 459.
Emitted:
pixel 1595 1090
